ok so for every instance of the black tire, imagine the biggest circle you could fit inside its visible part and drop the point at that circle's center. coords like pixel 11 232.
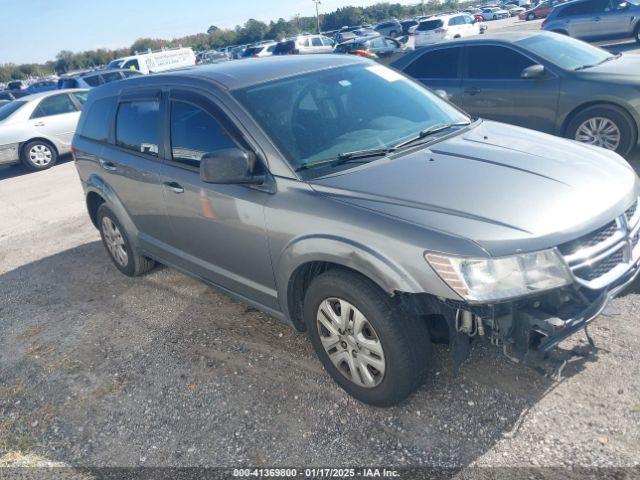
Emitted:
pixel 404 337
pixel 531 16
pixel 495 17
pixel 393 34
pixel 622 120
pixel 135 264
pixel 636 33
pixel 38 155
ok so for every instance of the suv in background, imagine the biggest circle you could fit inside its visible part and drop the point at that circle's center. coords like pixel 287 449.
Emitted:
pixel 445 27
pixel 317 188
pixel 596 19
pixel 304 44
pixel 95 78
pixel 390 29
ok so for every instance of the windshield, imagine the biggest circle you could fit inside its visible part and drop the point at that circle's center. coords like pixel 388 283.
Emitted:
pixel 9 108
pixel 565 52
pixel 319 115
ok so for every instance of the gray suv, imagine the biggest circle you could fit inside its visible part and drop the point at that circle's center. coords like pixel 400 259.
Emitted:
pixel 596 19
pixel 377 227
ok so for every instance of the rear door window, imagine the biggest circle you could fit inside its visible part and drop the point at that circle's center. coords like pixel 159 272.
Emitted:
pixel 495 62
pixel 54 105
pixel 97 124
pixel 194 133
pixel 137 126
pixel 429 25
pixel 316 42
pixel 582 8
pixel 441 63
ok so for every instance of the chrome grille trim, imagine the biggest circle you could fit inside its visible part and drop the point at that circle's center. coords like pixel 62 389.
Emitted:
pixel 614 255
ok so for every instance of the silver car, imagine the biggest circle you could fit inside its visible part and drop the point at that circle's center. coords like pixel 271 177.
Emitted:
pixel 596 19
pixel 349 201
pixel 36 129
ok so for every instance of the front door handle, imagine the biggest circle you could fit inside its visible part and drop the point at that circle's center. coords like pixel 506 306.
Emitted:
pixel 596 19
pixel 174 187
pixel 108 165
pixel 38 124
pixel 472 90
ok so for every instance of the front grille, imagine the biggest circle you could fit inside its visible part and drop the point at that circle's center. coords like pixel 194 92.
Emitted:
pixel 631 211
pixel 601 268
pixel 620 236
pixel 589 240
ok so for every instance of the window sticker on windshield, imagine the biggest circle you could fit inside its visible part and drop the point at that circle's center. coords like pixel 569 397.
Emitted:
pixel 386 73
pixel 345 83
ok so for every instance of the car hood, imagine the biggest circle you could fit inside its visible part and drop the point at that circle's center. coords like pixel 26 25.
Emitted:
pixel 623 69
pixel 506 188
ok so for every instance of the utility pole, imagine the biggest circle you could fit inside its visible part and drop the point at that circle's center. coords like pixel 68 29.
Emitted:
pixel 422 6
pixel 317 2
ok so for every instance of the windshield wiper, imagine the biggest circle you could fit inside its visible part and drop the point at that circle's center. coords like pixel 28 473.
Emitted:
pixel 612 57
pixel 429 131
pixel 349 156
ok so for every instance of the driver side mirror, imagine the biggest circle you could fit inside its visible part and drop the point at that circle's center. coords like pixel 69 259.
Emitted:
pixel 536 71
pixel 230 166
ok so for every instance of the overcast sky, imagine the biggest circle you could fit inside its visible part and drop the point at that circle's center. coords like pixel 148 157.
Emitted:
pixel 36 30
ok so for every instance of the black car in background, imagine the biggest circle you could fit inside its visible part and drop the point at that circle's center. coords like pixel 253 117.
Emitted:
pixel 540 80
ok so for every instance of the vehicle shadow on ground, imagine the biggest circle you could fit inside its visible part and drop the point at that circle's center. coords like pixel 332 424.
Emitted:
pixel 619 47
pixel 12 171
pixel 101 369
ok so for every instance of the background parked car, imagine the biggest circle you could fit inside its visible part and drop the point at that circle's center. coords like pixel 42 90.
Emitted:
pixel 407 25
pixel 36 129
pixel 539 80
pixel 391 28
pixel 596 19
pixel 540 11
pixel 445 27
pixel 156 61
pixel 17 85
pixel 11 95
pixel 514 10
pixel 262 50
pixel 42 86
pixel 344 36
pixel 384 50
pixel 95 78
pixel 304 44
pixel 494 13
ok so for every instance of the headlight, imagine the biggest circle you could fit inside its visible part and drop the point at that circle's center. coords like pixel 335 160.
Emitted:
pixel 491 279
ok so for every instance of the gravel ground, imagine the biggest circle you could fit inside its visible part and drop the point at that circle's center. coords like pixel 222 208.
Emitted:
pixel 97 369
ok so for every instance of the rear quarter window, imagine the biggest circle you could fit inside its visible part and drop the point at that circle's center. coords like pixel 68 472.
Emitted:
pixel 98 121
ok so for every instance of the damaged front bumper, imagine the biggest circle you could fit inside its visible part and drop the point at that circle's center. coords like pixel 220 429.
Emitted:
pixel 539 324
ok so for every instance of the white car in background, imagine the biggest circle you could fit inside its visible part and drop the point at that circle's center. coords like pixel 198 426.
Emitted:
pixel 445 27
pixel 36 129
pixel 156 61
pixel 261 50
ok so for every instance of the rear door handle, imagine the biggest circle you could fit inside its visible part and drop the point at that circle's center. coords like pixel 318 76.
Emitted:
pixel 472 90
pixel 174 187
pixel 108 165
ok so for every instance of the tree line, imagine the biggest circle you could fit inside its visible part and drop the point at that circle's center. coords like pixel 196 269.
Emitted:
pixel 215 37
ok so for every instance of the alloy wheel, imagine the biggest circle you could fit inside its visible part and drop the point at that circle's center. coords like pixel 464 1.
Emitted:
pixel 351 342
pixel 600 131
pixel 40 155
pixel 114 241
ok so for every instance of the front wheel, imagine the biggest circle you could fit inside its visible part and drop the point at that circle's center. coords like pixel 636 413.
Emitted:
pixel 374 350
pixel 605 126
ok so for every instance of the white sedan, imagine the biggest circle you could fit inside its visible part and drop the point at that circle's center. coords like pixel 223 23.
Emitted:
pixel 36 129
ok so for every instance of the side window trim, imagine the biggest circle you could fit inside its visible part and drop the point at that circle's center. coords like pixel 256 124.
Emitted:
pixel 464 68
pixel 209 106
pixel 141 95
pixel 460 58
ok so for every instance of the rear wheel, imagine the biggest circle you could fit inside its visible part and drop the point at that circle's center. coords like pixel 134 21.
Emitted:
pixel 39 155
pixel 531 16
pixel 605 126
pixel 371 348
pixel 116 241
